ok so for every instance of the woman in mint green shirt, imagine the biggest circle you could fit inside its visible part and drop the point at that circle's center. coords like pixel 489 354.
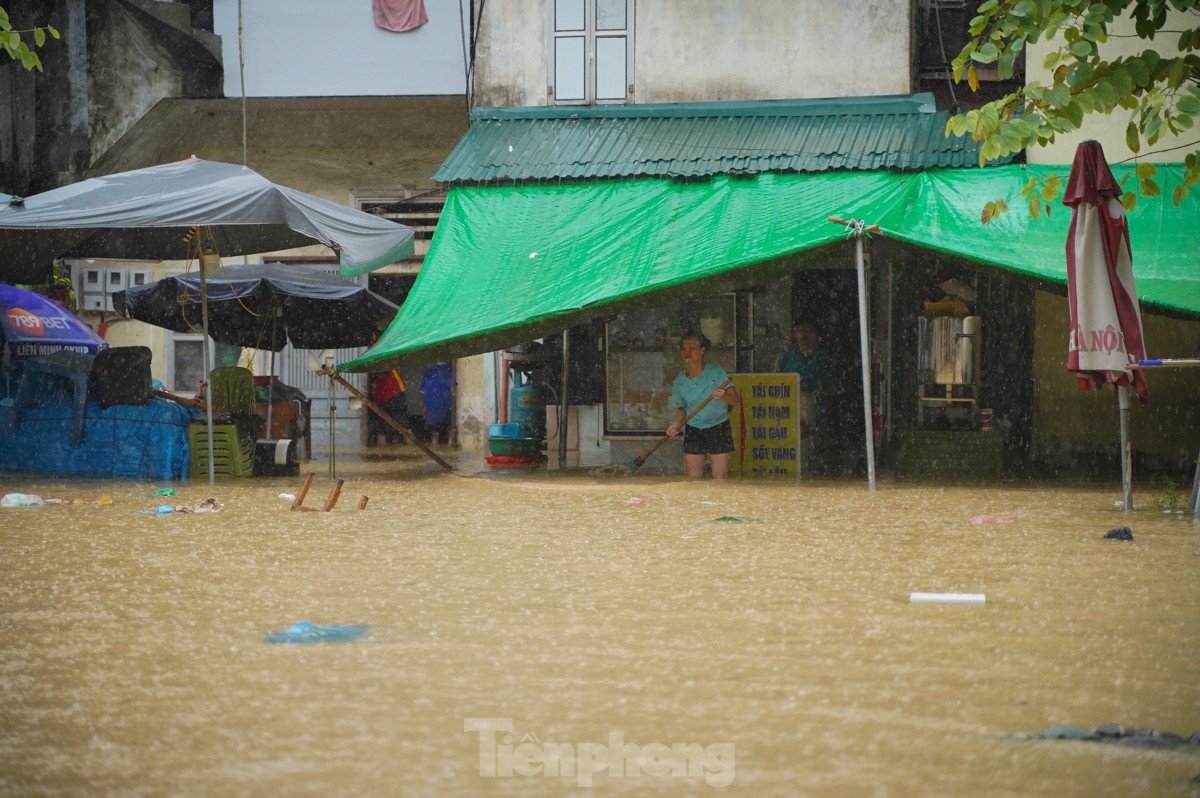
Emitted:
pixel 707 433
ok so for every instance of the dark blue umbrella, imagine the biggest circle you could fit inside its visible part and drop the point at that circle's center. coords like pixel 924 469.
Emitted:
pixel 32 325
pixel 264 306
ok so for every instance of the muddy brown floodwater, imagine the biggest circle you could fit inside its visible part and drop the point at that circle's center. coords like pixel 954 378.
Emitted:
pixel 539 634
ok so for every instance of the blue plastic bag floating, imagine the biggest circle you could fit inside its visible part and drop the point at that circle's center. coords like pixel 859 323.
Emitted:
pixel 305 632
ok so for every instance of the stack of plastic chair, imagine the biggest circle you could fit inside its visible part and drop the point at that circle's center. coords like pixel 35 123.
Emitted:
pixel 233 439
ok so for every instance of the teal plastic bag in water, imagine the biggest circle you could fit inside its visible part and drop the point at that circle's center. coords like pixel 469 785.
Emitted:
pixel 305 632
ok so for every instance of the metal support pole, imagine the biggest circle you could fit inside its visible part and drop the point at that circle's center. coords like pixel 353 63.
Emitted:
pixel 562 400
pixel 1126 449
pixel 206 354
pixel 1196 490
pixel 864 345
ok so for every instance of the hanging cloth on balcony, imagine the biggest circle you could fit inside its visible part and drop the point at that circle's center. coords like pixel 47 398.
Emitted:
pixel 399 15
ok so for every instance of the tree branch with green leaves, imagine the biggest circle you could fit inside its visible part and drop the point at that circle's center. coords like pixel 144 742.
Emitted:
pixel 16 47
pixel 1160 90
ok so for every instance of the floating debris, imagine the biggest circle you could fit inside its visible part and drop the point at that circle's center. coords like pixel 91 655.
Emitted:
pixel 305 632
pixel 1119 533
pixel 734 519
pixel 1117 734
pixel 976 599
pixel 990 519
pixel 21 500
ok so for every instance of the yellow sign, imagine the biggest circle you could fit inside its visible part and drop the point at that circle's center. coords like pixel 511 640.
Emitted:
pixel 766 426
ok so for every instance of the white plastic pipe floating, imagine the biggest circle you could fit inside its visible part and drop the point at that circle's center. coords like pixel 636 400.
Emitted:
pixel 976 599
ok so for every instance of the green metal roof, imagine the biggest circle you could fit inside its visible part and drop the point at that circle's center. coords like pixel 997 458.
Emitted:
pixel 699 140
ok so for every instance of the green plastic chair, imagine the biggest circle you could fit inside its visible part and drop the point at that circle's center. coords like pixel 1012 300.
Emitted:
pixel 233 444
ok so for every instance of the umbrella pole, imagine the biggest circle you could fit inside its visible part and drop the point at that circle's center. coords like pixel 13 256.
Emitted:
pixel 1126 449
pixel 562 400
pixel 207 354
pixel 275 311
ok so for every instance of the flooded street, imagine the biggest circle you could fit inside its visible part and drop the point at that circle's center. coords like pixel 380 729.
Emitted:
pixel 762 629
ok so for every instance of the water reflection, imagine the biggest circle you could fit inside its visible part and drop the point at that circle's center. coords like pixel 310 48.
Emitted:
pixel 134 661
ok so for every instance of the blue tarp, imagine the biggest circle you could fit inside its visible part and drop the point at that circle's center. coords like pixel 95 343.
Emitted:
pixel 123 441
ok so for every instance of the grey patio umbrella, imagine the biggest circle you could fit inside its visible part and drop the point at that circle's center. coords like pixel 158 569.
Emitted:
pixel 179 210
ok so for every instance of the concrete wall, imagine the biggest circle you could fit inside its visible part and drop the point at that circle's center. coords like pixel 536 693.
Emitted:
pixel 708 50
pixel 130 70
pixel 312 48
pixel 1071 422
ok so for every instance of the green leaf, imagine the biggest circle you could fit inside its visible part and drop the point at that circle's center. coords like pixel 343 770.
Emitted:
pixel 1106 94
pixel 1081 48
pixel 1146 170
pixel 986 54
pixel 1149 188
pixel 1153 127
pixel 1029 187
pixel 1138 72
pixel 1189 105
pixel 1132 140
pixel 1074 112
pixel 1129 200
pixel 1005 65
pixel 1121 81
pixel 972 78
pixel 1178 194
pixel 39 36
pixel 1177 73
pixel 1022 9
pixel 1035 206
pixel 53 31
pixel 1049 191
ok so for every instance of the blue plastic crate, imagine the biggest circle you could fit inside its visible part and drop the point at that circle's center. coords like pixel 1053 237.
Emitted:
pixel 508 430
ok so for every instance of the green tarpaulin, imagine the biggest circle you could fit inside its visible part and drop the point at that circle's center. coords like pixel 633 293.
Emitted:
pixel 513 263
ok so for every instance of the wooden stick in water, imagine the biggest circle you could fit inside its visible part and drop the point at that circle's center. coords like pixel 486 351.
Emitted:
pixel 327 371
pixel 334 492
pixel 308 481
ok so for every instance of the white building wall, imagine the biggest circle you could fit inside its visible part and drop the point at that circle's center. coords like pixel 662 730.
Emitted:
pixel 710 50
pixel 312 48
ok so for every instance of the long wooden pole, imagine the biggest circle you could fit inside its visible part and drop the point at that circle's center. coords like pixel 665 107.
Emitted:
pixel 327 371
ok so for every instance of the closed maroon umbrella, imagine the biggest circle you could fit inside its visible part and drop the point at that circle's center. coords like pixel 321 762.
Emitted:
pixel 1105 340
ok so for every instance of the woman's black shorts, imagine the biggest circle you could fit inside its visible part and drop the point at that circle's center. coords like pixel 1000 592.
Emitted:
pixel 714 440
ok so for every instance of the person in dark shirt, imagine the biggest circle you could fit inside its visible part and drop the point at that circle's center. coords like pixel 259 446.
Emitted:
pixel 436 389
pixel 818 382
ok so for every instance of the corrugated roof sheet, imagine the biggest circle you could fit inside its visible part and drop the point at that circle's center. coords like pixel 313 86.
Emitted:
pixel 698 140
